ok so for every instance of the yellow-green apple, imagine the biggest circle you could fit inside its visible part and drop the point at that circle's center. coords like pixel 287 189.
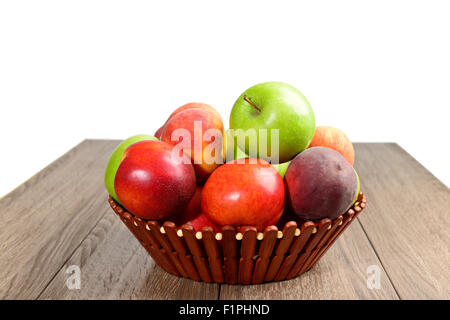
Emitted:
pixel 244 194
pixel 230 149
pixel 333 138
pixel 153 182
pixel 116 157
pixel 320 183
pixel 198 132
pixel 358 188
pixel 281 168
pixel 269 107
pixel 233 152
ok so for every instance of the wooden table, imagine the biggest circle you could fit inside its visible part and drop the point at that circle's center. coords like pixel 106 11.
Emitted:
pixel 60 217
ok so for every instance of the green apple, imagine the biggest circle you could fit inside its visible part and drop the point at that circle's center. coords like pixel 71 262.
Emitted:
pixel 281 167
pixel 230 149
pixel 115 159
pixel 274 105
pixel 237 153
pixel 358 188
pixel 240 154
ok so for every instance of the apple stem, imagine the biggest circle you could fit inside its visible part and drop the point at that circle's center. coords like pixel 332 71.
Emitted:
pixel 252 104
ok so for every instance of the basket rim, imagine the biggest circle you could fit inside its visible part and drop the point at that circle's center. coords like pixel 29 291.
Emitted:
pixel 240 231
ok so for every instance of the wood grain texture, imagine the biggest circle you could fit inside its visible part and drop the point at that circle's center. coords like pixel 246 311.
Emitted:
pixel 340 274
pixel 45 219
pixel 407 220
pixel 115 266
pixel 60 217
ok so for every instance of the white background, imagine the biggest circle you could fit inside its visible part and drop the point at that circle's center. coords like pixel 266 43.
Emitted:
pixel 69 70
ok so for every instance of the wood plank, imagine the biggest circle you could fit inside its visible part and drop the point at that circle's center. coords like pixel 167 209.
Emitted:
pixel 45 219
pixel 115 266
pixel 61 217
pixel 340 274
pixel 407 220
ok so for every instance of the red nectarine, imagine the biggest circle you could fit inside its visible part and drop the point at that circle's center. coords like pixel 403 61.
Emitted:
pixel 192 214
pixel 152 182
pixel 335 139
pixel 246 192
pixel 190 105
pixel 195 105
pixel 189 129
pixel 159 132
pixel 320 183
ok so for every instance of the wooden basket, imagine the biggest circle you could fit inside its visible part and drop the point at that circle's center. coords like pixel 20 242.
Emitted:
pixel 245 257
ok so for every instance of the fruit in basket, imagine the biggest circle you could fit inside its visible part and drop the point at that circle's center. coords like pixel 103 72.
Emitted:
pixel 158 133
pixel 274 105
pixel 196 105
pixel 198 133
pixel 190 105
pixel 287 216
pixel 281 168
pixel 192 214
pixel 194 206
pixel 201 220
pixel 335 139
pixel 358 188
pixel 236 153
pixel 244 194
pixel 115 158
pixel 153 182
pixel 320 183
pixel 230 149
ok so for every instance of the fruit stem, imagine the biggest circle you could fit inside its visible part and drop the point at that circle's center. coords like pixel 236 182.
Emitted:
pixel 252 104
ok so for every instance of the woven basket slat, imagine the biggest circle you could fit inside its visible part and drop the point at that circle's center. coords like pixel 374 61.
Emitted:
pixel 282 247
pixel 294 250
pixel 348 217
pixel 265 251
pixel 180 247
pixel 320 244
pixel 155 229
pixel 314 239
pixel 247 252
pixel 212 250
pixel 157 255
pixel 244 257
pixel 153 246
pixel 229 254
pixel 197 251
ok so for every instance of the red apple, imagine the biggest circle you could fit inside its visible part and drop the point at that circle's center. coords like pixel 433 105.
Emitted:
pixel 153 182
pixel 193 208
pixel 245 192
pixel 195 105
pixel 320 183
pixel 193 215
pixel 190 105
pixel 202 220
pixel 159 132
pixel 196 122
pixel 335 139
